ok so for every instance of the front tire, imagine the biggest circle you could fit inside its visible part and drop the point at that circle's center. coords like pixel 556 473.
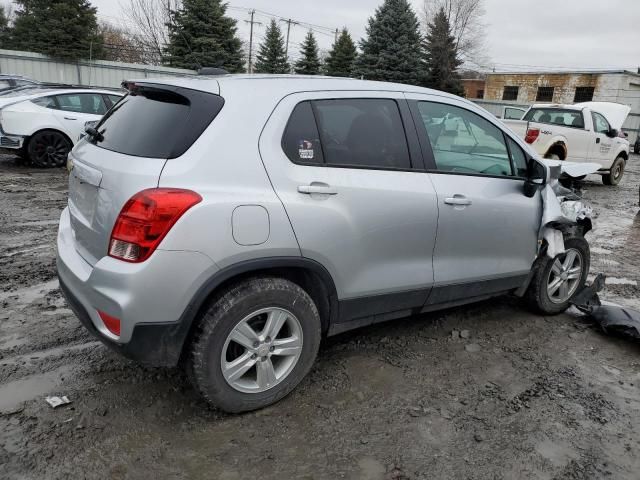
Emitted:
pixel 254 344
pixel 615 174
pixel 49 149
pixel 557 280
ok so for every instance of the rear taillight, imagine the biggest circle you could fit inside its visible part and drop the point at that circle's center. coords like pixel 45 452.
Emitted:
pixel 145 220
pixel 532 135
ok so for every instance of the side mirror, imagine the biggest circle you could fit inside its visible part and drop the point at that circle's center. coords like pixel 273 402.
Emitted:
pixel 536 177
pixel 613 133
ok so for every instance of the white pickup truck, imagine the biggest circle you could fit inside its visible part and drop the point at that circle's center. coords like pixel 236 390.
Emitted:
pixel 584 132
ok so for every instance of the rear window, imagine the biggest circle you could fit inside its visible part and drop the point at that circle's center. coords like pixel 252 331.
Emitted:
pixel 556 116
pixel 157 122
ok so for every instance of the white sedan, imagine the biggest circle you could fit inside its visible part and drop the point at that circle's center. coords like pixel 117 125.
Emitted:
pixel 43 125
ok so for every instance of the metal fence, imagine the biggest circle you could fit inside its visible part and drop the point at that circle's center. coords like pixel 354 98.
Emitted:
pixel 631 125
pixel 98 73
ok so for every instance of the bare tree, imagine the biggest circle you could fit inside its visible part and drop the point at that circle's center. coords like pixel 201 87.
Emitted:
pixel 149 20
pixel 120 45
pixel 468 28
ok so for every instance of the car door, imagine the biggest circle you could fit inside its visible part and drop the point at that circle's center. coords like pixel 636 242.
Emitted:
pixel 602 144
pixel 487 227
pixel 73 110
pixel 358 199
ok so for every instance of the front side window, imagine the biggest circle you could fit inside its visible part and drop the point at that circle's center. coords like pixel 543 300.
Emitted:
pixel 82 103
pixel 464 142
pixel 600 123
pixel 556 116
pixel 301 141
pixel 362 133
pixel 518 157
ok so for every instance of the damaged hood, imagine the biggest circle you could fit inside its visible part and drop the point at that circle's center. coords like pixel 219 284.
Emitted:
pixel 573 169
pixel 615 113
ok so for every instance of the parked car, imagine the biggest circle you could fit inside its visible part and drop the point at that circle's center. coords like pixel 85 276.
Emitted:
pixel 42 125
pixel 584 132
pixel 228 223
pixel 12 82
pixel 636 146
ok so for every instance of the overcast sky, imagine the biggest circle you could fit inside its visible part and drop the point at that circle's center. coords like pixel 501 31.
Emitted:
pixel 520 34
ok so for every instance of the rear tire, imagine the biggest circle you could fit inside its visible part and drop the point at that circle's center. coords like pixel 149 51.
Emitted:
pixel 615 174
pixel 548 272
pixel 251 310
pixel 49 149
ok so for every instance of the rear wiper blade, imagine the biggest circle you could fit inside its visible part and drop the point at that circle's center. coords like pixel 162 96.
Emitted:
pixel 94 134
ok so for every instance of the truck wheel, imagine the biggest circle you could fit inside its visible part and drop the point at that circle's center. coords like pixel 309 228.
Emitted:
pixel 556 281
pixel 615 174
pixel 255 344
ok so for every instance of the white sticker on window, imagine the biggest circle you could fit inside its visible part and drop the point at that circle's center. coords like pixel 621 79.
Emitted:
pixel 305 150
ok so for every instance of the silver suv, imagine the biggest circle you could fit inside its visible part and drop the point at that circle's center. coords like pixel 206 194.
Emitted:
pixel 228 223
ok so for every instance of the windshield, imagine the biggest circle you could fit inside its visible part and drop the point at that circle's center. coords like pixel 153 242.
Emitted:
pixel 556 116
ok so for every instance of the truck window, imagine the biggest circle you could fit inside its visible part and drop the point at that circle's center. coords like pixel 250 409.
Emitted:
pixel 556 116
pixel 600 123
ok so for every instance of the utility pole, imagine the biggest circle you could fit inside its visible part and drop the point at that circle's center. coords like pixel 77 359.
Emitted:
pixel 336 39
pixel 289 22
pixel 251 22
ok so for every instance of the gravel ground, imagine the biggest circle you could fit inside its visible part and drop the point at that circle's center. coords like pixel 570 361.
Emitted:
pixel 487 391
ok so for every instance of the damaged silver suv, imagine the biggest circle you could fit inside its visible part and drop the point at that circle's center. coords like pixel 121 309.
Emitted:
pixel 228 223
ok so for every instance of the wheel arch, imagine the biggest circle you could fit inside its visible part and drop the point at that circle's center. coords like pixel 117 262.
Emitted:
pixel 559 147
pixel 310 275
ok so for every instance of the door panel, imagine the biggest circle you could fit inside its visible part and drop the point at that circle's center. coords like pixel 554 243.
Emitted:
pixel 374 230
pixel 487 227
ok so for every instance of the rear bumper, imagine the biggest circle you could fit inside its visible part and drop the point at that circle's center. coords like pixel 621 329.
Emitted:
pixel 149 298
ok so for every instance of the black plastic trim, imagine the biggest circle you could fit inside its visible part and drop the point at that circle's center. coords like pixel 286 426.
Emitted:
pixel 443 294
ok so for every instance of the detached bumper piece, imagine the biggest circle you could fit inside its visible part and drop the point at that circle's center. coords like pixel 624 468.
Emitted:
pixel 613 320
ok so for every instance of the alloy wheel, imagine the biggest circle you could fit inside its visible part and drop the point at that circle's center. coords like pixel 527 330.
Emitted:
pixel 50 149
pixel 564 276
pixel 262 350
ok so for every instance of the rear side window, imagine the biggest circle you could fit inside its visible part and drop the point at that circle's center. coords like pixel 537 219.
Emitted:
pixel 46 102
pixel 301 141
pixel 556 116
pixel 155 122
pixel 362 133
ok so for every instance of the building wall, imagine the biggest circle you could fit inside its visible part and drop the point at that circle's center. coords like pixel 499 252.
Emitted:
pixel 98 73
pixel 564 85
pixel 473 87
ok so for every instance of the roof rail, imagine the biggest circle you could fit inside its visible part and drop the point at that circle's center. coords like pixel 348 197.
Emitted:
pixel 212 71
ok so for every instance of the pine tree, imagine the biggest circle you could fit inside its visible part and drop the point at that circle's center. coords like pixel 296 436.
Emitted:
pixel 441 61
pixel 4 28
pixel 392 50
pixel 64 29
pixel 309 63
pixel 201 35
pixel 342 56
pixel 272 57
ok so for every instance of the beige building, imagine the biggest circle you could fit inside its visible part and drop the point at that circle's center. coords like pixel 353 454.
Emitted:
pixel 567 87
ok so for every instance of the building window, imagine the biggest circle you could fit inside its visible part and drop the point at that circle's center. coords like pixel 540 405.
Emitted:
pixel 583 94
pixel 480 94
pixel 510 93
pixel 545 94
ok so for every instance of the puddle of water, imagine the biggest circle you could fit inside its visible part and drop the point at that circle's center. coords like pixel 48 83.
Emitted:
pixel 29 294
pixel 57 311
pixel 12 394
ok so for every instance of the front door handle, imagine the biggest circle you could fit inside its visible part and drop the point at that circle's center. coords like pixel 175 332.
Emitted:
pixel 457 200
pixel 322 189
pixel 70 118
pixel 598 140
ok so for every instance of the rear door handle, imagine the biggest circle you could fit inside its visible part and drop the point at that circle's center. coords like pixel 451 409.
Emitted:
pixel 317 188
pixel 457 200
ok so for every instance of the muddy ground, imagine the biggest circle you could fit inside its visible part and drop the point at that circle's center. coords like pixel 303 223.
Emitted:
pixel 523 397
